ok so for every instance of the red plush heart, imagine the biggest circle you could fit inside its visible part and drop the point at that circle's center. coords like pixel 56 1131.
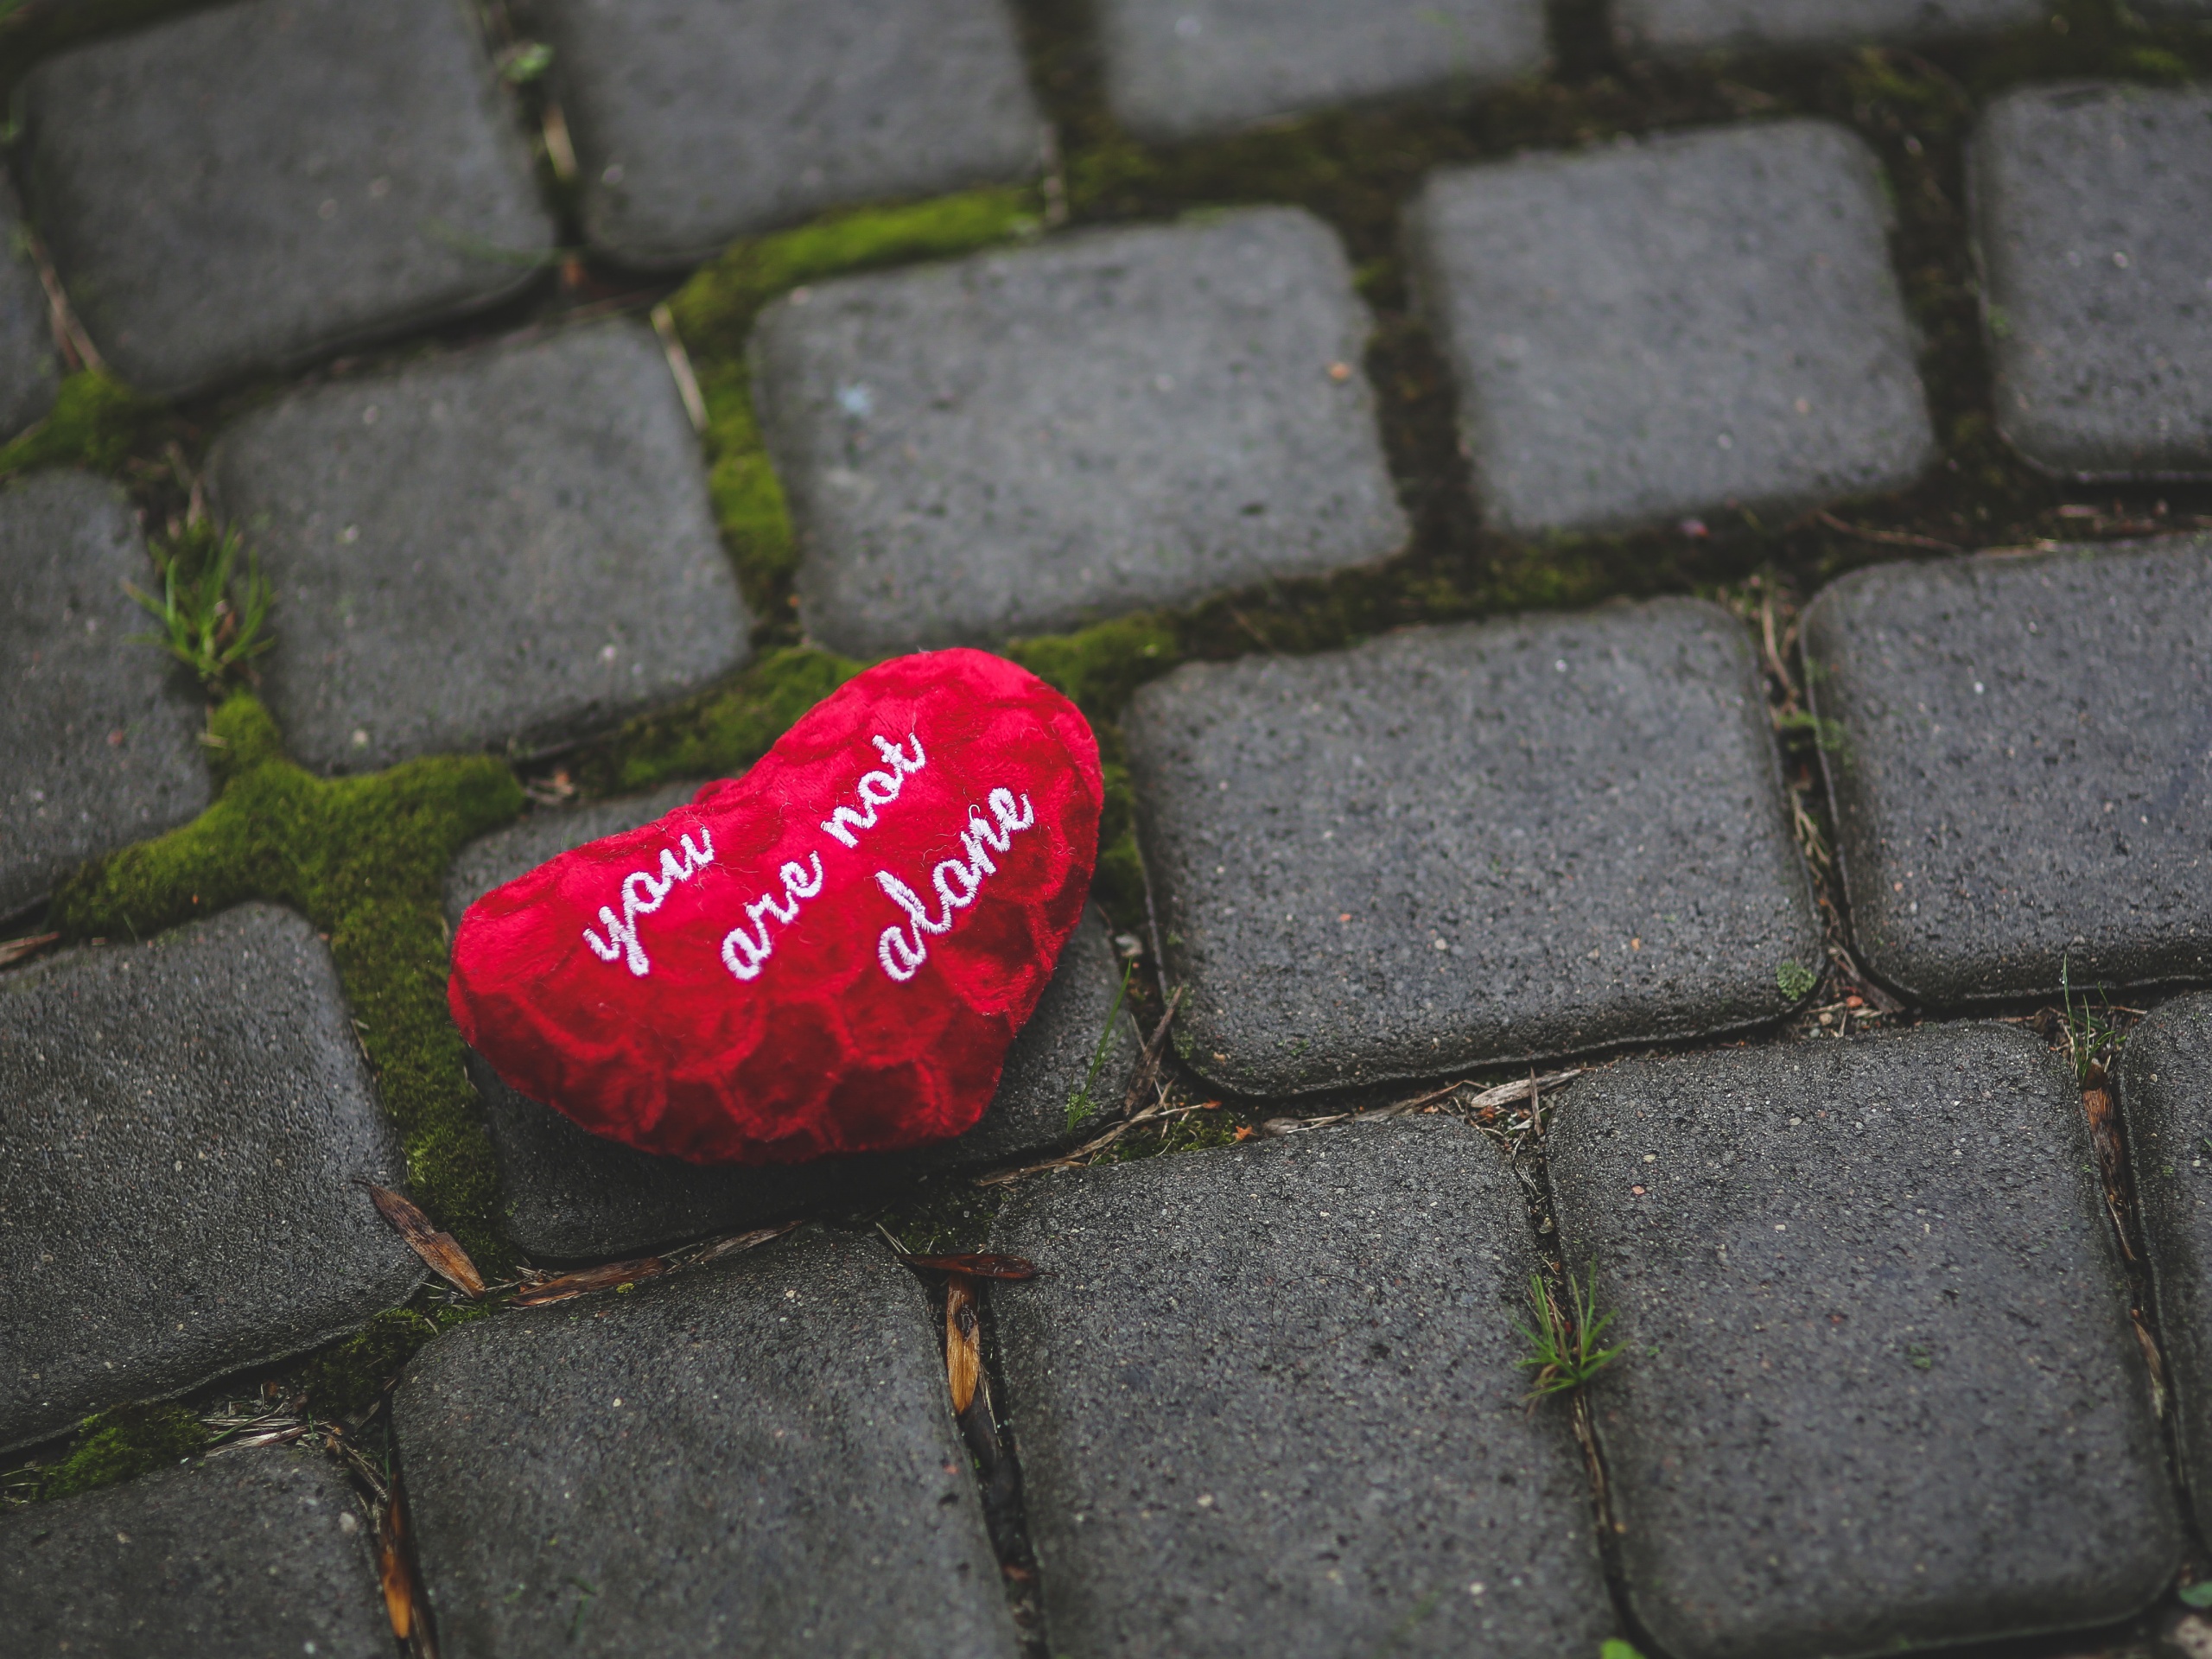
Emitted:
pixel 829 954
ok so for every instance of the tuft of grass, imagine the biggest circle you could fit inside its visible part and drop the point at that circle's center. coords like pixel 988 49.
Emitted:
pixel 1563 1349
pixel 122 1445
pixel 1080 1104
pixel 212 616
pixel 2093 1033
pixel 364 859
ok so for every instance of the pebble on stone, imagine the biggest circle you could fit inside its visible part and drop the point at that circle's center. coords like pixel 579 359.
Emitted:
pixel 573 1195
pixel 28 374
pixel 696 121
pixel 2093 218
pixel 1029 440
pixel 1677 28
pixel 2165 1099
pixel 1267 1403
pixel 98 733
pixel 250 187
pixel 1178 68
pixel 188 1122
pixel 2016 753
pixel 758 1458
pixel 248 1552
pixel 498 549
pixel 1692 324
pixel 1463 844
pixel 1880 1388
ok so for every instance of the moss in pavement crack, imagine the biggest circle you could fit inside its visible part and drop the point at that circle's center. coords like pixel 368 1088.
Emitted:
pixel 122 1445
pixel 364 860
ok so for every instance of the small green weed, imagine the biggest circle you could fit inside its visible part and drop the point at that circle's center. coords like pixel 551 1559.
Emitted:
pixel 1563 1349
pixel 1796 980
pixel 1080 1104
pixel 2092 1035
pixel 212 617
pixel 1614 1647
pixel 2196 1595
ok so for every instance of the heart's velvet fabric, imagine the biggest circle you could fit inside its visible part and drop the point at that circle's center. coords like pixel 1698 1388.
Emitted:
pixel 826 955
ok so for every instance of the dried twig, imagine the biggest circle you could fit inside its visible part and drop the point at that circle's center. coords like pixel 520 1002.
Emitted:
pixel 1886 538
pixel 15 950
pixel 736 1244
pixel 679 366
pixel 982 1265
pixel 565 1287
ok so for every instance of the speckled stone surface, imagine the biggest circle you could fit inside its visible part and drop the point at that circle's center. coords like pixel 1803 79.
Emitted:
pixel 247 1555
pixel 98 735
pixel 2165 1099
pixel 188 1121
pixel 758 1458
pixel 1470 843
pixel 2021 767
pixel 496 549
pixel 249 186
pixel 698 121
pixel 1644 332
pixel 1026 441
pixel 571 1194
pixel 1881 1388
pixel 1267 1403
pixel 29 374
pixel 1682 26
pixel 1179 68
pixel 2093 221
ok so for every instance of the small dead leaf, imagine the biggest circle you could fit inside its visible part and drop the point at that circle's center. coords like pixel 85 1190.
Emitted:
pixel 440 1252
pixel 15 950
pixel 561 1287
pixel 963 1354
pixel 984 1266
pixel 391 1568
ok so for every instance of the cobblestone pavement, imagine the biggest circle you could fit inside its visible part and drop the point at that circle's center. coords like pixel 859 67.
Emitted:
pixel 1639 1076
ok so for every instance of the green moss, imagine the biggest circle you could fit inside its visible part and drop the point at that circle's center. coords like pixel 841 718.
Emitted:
pixel 123 1444
pixel 95 423
pixel 346 1377
pixel 715 312
pixel 364 860
pixel 719 732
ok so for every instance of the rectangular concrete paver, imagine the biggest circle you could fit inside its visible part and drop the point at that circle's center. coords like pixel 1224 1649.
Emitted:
pixel 1679 27
pixel 496 548
pixel 1469 843
pixel 755 1458
pixel 247 1555
pixel 2166 1097
pixel 2020 760
pixel 2093 218
pixel 571 1194
pixel 1694 322
pixel 1179 68
pixel 1025 441
pixel 1267 1403
pixel 696 121
pixel 98 733
pixel 1880 1387
pixel 246 188
pixel 188 1122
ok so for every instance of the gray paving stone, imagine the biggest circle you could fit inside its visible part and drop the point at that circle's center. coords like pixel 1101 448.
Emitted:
pixel 572 1195
pixel 755 1459
pixel 1268 1404
pixel 2021 767
pixel 187 1121
pixel 1176 68
pixel 1026 441
pixel 30 376
pixel 1881 1390
pixel 247 187
pixel 245 1555
pixel 1675 326
pixel 2092 220
pixel 99 735
pixel 2165 1098
pixel 1465 844
pixel 1679 27
pixel 500 548
pixel 696 121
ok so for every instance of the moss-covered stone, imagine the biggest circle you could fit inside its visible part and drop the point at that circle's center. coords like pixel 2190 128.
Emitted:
pixel 364 860
pixel 346 1377
pixel 121 1444
pixel 96 423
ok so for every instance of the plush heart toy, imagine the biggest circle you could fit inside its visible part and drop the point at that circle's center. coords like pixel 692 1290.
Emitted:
pixel 826 955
